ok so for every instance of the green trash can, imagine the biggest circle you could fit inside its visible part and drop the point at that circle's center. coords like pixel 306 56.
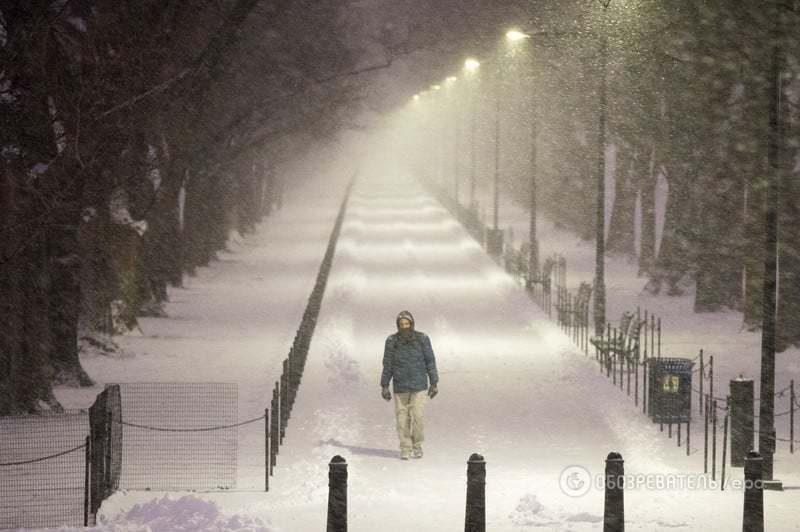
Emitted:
pixel 670 389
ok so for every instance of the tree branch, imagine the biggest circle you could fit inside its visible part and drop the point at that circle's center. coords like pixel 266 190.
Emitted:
pixel 161 87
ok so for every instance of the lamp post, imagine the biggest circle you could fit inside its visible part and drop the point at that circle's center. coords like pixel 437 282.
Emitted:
pixel 766 420
pixel 471 66
pixel 599 273
pixel 436 115
pixel 496 192
pixel 512 37
pixel 494 236
pixel 453 109
pixel 533 257
pixel 515 36
pixel 494 242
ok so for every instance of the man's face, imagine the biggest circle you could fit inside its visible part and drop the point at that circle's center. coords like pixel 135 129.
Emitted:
pixel 405 324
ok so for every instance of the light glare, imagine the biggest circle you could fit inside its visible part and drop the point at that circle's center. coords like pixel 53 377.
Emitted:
pixel 471 64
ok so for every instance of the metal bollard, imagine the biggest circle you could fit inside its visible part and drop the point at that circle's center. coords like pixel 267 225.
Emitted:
pixel 742 419
pixel 753 515
pixel 337 495
pixel 475 520
pixel 614 508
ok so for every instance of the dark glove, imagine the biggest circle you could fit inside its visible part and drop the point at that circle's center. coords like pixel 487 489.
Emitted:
pixel 386 394
pixel 432 391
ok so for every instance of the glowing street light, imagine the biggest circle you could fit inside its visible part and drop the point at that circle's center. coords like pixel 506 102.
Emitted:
pixel 515 36
pixel 416 97
pixel 451 79
pixel 471 64
pixel 436 87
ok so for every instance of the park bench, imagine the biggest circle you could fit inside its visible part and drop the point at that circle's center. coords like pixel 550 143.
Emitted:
pixel 571 314
pixel 544 275
pixel 515 261
pixel 624 342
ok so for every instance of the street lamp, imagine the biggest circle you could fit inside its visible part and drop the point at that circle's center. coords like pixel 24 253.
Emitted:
pixel 499 85
pixel 495 238
pixel 471 66
pixel 438 117
pixel 453 109
pixel 766 421
pixel 600 250
pixel 513 37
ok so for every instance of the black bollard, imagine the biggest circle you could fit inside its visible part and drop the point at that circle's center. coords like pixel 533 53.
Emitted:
pixel 614 509
pixel 337 495
pixel 475 520
pixel 742 419
pixel 753 515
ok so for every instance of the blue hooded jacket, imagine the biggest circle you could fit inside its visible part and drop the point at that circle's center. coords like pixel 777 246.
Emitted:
pixel 408 360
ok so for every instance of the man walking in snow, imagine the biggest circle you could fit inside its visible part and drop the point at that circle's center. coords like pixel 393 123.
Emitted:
pixel 409 363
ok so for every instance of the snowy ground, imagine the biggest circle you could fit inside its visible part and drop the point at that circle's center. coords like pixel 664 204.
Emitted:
pixel 512 386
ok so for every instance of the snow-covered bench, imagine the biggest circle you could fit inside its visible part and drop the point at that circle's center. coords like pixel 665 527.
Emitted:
pixel 626 340
pixel 569 314
pixel 544 275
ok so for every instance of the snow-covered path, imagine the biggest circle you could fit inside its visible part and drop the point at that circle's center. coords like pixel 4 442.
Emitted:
pixel 512 388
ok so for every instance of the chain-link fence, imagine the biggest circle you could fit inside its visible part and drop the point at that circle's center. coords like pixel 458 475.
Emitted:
pixel 43 470
pixel 178 436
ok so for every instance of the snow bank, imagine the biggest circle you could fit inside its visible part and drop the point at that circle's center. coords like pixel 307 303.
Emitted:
pixel 189 513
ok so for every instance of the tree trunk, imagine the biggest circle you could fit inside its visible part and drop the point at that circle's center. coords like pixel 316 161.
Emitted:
pixel 676 256
pixel 621 227
pixel 789 258
pixel 64 305
pixel 647 199
pixel 718 247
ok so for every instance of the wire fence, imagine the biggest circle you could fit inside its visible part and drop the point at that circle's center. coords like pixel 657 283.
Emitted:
pixel 43 469
pixel 178 436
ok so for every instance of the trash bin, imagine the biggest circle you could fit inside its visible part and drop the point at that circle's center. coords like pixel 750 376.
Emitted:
pixel 670 389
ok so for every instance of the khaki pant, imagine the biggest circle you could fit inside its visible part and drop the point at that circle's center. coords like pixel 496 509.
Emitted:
pixel 408 409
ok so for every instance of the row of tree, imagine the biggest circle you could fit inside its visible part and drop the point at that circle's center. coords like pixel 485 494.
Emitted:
pixel 136 135
pixel 690 90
